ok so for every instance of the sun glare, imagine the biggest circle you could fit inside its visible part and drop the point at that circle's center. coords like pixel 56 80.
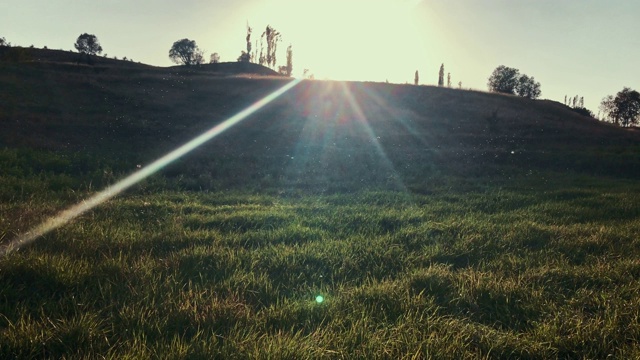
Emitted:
pixel 348 39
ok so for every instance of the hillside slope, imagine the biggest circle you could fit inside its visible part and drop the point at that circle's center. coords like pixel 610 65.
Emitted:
pixel 319 135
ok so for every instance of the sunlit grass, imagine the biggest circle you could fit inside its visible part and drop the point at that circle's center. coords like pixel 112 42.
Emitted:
pixel 428 230
pixel 528 274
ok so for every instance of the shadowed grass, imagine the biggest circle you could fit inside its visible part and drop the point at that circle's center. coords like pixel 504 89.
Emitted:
pixel 451 275
pixel 429 232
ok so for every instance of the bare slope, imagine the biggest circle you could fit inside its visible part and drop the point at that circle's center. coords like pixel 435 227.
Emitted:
pixel 319 135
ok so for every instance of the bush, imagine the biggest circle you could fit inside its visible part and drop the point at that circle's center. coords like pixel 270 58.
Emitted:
pixel 583 111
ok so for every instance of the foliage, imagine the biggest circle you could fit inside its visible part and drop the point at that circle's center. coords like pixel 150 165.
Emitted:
pixel 627 104
pixel 214 59
pixel 186 52
pixel 583 111
pixel 247 57
pixel 527 87
pixel 416 78
pixel 623 109
pixel 509 81
pixel 4 42
pixel 244 57
pixel 504 80
pixel 289 68
pixel 272 38
pixel 88 44
pixel 441 76
pixel 575 102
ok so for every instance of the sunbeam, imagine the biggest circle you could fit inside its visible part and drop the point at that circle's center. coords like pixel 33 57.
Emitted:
pixel 73 212
pixel 362 120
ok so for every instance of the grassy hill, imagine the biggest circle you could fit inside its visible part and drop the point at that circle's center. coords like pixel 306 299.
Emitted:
pixel 435 222
pixel 402 131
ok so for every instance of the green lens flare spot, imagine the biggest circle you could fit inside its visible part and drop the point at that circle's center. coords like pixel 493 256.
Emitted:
pixel 319 299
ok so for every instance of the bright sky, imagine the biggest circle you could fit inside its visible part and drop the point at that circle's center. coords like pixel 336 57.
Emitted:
pixel 572 47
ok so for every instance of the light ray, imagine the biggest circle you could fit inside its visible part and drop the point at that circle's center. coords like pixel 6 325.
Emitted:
pixel 73 212
pixel 362 119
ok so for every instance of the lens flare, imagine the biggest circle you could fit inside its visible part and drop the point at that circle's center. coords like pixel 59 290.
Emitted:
pixel 73 212
pixel 319 299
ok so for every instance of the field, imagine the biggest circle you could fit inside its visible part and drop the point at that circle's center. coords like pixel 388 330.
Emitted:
pixel 434 223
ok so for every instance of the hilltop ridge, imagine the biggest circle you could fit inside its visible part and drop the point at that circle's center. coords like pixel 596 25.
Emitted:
pixel 317 134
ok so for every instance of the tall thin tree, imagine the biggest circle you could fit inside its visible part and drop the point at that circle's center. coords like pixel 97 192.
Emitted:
pixel 273 37
pixel 249 43
pixel 416 78
pixel 441 76
pixel 289 60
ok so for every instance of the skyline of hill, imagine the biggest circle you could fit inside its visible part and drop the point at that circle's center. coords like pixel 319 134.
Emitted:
pixel 399 130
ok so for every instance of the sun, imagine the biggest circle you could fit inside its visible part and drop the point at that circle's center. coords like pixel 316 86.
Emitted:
pixel 349 39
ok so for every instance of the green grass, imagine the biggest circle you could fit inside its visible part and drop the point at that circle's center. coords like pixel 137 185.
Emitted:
pixel 430 231
pixel 493 273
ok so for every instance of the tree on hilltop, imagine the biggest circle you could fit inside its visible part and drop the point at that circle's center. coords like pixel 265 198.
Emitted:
pixel 4 42
pixel 289 60
pixel 88 44
pixel 215 58
pixel 272 37
pixel 441 76
pixel 527 87
pixel 623 109
pixel 508 80
pixel 186 52
pixel 245 56
pixel 416 78
pixel 504 80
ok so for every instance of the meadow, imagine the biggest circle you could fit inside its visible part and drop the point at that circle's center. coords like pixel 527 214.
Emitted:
pixel 434 223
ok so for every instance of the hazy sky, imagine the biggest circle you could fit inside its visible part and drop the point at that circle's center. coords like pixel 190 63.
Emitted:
pixel 575 47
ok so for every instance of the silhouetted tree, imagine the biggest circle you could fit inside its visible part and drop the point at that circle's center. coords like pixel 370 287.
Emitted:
pixel 88 44
pixel 583 111
pixel 627 107
pixel 527 87
pixel 289 60
pixel 504 80
pixel 246 56
pixel 214 59
pixel 459 84
pixel 441 76
pixel 509 81
pixel 272 37
pixel 262 60
pixel 581 102
pixel 186 52
pixel 448 79
pixel 565 99
pixel 4 42
pixel 416 78
pixel 607 108
pixel 254 55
